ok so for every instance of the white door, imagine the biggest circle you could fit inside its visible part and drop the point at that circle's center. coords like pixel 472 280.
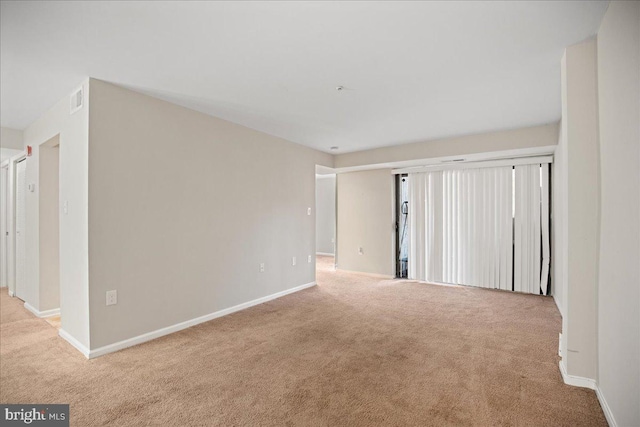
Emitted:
pixel 21 254
pixel 4 225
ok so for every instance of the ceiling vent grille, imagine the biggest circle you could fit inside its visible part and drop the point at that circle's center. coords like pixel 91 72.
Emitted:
pixel 76 100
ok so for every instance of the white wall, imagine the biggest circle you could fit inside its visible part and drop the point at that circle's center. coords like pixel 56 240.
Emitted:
pixel 11 139
pixel 581 176
pixel 7 153
pixel 366 220
pixel 536 136
pixel 619 279
pixel 73 134
pixel 325 213
pixel 183 207
pixel 557 225
pixel 11 143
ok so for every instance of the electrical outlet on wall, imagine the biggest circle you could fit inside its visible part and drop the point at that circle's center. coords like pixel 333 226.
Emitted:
pixel 309 259
pixel 360 251
pixel 112 297
pixel 262 267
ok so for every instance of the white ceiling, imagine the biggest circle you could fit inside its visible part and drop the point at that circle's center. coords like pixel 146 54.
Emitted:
pixel 412 70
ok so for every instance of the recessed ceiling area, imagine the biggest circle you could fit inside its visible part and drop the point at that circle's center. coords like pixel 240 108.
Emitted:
pixel 409 71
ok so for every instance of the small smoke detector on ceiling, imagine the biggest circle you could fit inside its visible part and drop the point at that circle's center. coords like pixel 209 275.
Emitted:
pixel 339 88
pixel 76 101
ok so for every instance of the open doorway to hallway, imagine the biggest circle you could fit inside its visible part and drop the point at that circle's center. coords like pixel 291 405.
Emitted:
pixel 325 219
pixel 49 233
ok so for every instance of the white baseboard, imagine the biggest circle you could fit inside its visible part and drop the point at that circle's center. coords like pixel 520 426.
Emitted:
pixel 593 385
pixel 605 408
pixel 558 305
pixel 325 254
pixel 11 294
pixel 374 275
pixel 74 342
pixel 183 325
pixel 577 381
pixel 45 313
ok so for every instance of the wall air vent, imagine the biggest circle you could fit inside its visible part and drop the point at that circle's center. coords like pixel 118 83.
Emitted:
pixel 76 101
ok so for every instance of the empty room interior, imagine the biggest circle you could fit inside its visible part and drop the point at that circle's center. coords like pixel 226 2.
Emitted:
pixel 320 213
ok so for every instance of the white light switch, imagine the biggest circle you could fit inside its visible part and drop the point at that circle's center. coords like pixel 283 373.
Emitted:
pixel 308 211
pixel 309 259
pixel 262 267
pixel 65 207
pixel 112 297
pixel 360 251
pixel 293 261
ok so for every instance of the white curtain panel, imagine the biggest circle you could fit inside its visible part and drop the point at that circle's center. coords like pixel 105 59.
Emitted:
pixel 462 224
pixel 417 259
pixel 477 227
pixel 526 228
pixel 425 226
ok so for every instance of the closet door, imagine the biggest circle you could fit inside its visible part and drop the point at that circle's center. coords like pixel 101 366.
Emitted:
pixel 21 262
pixel 4 229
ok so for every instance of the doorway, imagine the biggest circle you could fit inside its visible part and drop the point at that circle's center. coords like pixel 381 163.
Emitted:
pixel 49 228
pixel 325 219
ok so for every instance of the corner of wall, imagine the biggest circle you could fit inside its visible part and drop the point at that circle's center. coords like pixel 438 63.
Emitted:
pixel 72 130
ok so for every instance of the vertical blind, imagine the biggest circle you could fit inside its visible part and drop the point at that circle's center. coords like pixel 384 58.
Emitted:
pixel 485 227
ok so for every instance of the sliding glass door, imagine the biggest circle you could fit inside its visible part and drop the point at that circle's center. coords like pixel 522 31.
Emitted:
pixel 483 226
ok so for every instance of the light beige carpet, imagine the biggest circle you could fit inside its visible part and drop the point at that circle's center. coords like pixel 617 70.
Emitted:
pixel 354 350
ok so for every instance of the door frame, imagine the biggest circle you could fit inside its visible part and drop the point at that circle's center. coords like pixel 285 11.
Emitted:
pixel 398 220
